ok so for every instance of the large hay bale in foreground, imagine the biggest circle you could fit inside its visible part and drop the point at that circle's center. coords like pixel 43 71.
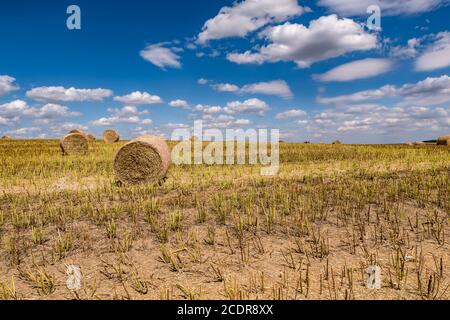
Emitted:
pixel 443 141
pixel 143 160
pixel 111 136
pixel 74 143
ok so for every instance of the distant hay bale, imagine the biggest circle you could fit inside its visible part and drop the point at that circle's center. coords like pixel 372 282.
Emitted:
pixel 90 137
pixel 6 138
pixel 74 143
pixel 143 160
pixel 76 131
pixel 111 136
pixel 419 143
pixel 444 141
pixel 337 142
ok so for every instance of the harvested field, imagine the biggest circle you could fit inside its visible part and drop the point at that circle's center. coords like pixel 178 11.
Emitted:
pixel 225 232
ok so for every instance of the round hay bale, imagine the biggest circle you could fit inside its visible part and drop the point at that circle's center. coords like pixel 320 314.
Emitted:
pixel 6 138
pixel 143 160
pixel 90 138
pixel 337 142
pixel 443 141
pixel 111 136
pixel 74 143
pixel 419 143
pixel 76 131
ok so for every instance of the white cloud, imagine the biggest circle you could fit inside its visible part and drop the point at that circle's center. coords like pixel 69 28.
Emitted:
pixel 408 51
pixel 226 87
pixel 380 120
pixel 325 38
pixel 247 16
pixel 7 85
pixel 24 131
pixel 62 129
pixel 359 96
pixel 208 109
pixel 437 55
pixel 294 113
pixel 431 91
pixel 161 56
pixel 179 104
pixel 52 112
pixel 171 125
pixel 388 8
pixel 202 81
pixel 276 88
pixel 68 95
pixel 360 69
pixel 17 110
pixel 139 98
pixel 248 106
pixel 140 131
pixel 242 122
pixel 126 115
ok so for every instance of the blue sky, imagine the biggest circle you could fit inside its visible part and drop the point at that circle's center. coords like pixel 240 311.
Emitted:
pixel 309 68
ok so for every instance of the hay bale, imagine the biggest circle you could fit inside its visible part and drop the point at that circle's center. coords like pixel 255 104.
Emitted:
pixel 6 138
pixel 111 136
pixel 143 160
pixel 91 138
pixel 444 141
pixel 419 143
pixel 337 142
pixel 76 131
pixel 74 143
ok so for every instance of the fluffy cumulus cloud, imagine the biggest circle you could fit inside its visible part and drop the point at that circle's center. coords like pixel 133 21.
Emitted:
pixel 389 8
pixel 436 55
pixel 360 69
pixel 13 112
pixel 395 122
pixel 26 132
pixel 408 51
pixel 254 105
pixel 180 104
pixel 208 109
pixel 325 38
pixel 55 94
pixel 7 85
pixel 247 16
pixel 126 115
pixel 293 113
pixel 431 91
pixel 276 88
pixel 139 98
pixel 52 112
pixel 223 121
pixel 250 106
pixel 226 87
pixel 161 56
